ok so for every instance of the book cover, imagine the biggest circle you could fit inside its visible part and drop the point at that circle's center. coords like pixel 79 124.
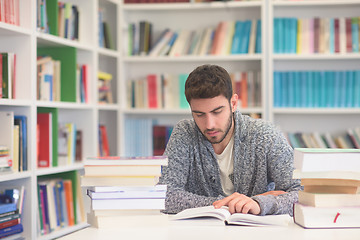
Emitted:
pixel 54 126
pixel 7 132
pixel 44 121
pixel 119 180
pixel 326 217
pixel 326 159
pixel 18 228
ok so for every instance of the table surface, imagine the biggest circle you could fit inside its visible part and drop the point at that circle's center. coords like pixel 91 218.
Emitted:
pixel 211 229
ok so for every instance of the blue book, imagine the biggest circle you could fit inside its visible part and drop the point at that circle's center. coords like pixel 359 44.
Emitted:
pixel 298 89
pixel 309 89
pixel 291 89
pixel 18 228
pixel 316 89
pixel 342 89
pixel 277 89
pixel 323 89
pixel 62 201
pixel 258 37
pixel 57 205
pixel 245 36
pixel 355 34
pixel 7 207
pixel 331 35
pixel 337 85
pixel 357 86
pixel 280 35
pixel 276 37
pixel 293 35
pixel 330 76
pixel 235 45
pixel 349 88
pixel 43 192
pixel 287 35
pixel 303 87
pixel 285 89
pixel 21 120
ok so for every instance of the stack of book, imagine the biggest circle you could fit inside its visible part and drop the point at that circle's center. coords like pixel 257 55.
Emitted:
pixel 331 195
pixel 11 206
pixel 123 191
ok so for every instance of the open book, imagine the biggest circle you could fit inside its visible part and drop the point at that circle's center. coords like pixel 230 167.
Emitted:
pixel 233 219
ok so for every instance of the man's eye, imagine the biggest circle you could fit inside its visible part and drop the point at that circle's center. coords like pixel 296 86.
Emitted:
pixel 217 112
pixel 200 115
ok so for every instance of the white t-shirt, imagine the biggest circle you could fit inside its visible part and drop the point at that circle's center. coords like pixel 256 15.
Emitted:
pixel 226 165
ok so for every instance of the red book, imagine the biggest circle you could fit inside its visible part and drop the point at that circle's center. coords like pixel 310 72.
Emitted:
pixel 85 70
pixel 159 140
pixel 348 35
pixel 69 201
pixel 10 223
pixel 337 35
pixel 44 121
pixel 244 90
pixel 104 141
pixel 152 90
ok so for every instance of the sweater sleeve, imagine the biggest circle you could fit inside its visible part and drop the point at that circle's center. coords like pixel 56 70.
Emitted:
pixel 175 175
pixel 280 167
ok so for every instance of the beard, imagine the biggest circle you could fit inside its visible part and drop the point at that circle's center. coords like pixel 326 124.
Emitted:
pixel 214 140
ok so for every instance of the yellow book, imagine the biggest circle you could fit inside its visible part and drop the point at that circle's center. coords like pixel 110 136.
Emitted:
pixel 299 36
pixel 104 76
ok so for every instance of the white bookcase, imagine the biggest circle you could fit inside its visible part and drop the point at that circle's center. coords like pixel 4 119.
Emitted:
pixel 24 40
pixel 331 120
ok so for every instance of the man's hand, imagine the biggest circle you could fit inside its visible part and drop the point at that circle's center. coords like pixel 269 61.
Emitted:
pixel 239 203
pixel 275 193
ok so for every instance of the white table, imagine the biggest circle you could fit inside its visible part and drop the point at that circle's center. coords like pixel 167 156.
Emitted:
pixel 209 229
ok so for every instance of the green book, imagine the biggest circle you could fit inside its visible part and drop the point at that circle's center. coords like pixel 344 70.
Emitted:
pixel 52 16
pixel 67 57
pixel 54 112
pixel 5 75
pixel 183 102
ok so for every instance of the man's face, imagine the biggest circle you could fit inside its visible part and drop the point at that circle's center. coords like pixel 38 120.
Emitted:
pixel 214 117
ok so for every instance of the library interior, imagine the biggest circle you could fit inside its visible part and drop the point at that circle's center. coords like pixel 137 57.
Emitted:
pixel 91 90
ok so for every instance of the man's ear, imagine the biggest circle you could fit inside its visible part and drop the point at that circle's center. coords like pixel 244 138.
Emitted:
pixel 234 102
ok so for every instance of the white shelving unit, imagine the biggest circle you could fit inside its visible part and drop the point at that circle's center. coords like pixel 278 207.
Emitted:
pixel 24 40
pixel 332 120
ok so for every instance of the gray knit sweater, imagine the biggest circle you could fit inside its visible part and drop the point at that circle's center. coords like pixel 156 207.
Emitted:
pixel 262 158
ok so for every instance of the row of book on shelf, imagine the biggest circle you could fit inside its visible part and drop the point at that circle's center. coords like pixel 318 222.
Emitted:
pixel 166 91
pixel 60 77
pixel 328 89
pixel 316 35
pixel 11 210
pixel 347 140
pixel 105 35
pixel 330 177
pixel 123 191
pixel 145 137
pixel 7 75
pixel 60 202
pixel 49 84
pixel 58 143
pixel 13 142
pixel 58 18
pixel 10 12
pixel 228 37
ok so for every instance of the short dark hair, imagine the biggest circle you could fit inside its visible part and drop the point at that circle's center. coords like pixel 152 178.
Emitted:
pixel 208 81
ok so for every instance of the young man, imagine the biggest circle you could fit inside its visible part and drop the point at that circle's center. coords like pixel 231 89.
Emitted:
pixel 224 158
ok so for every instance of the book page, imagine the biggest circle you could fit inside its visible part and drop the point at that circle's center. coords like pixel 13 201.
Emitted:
pixel 255 220
pixel 208 211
